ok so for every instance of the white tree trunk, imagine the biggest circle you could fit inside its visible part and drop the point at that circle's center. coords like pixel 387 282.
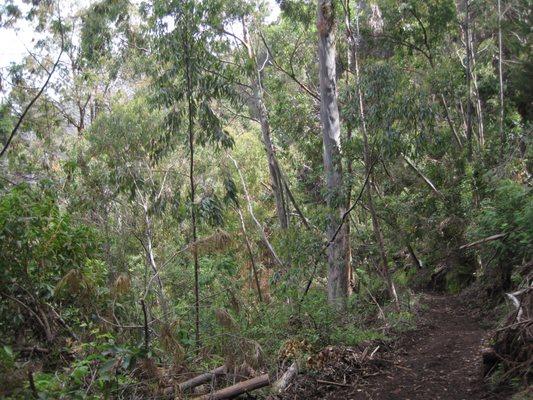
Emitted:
pixel 262 114
pixel 338 279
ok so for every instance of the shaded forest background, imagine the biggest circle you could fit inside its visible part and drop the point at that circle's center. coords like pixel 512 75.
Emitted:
pixel 169 202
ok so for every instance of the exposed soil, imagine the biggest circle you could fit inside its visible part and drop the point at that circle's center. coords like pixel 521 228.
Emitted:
pixel 440 360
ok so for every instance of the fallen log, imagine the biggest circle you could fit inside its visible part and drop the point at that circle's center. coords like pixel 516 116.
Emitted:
pixel 238 389
pixel 196 381
pixel 203 378
pixel 281 384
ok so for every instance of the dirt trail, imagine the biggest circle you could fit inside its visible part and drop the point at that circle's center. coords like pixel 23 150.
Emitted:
pixel 441 360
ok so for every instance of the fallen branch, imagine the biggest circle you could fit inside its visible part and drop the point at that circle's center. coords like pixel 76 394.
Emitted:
pixel 518 303
pixel 40 319
pixel 282 383
pixel 250 253
pixel 238 389
pixel 63 323
pixel 333 383
pixel 525 322
pixel 294 203
pixel 203 378
pixel 511 352
pixel 424 177
pixel 485 240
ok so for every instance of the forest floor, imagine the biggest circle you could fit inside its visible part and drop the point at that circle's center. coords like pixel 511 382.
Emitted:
pixel 441 359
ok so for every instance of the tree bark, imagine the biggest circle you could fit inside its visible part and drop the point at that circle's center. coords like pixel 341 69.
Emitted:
pixel 283 382
pixel 203 378
pixel 338 283
pixel 349 164
pixel 258 98
pixel 239 388
pixel 500 77
pixel 478 106
pixel 468 79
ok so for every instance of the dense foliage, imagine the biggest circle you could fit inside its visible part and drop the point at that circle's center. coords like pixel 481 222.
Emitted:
pixel 163 195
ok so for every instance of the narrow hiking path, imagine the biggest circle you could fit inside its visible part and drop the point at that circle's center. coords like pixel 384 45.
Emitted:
pixel 440 360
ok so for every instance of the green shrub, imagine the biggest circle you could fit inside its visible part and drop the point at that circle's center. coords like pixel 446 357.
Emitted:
pixel 508 210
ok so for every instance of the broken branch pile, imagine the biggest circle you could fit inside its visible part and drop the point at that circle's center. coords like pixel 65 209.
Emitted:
pixel 512 352
pixel 334 368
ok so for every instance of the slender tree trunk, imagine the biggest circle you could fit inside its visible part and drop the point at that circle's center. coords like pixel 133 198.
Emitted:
pixel 192 188
pixel 463 115
pixel 251 211
pixel 250 253
pixel 500 76
pixel 338 285
pixel 368 168
pixel 351 278
pixel 293 201
pixel 468 79
pixel 273 167
pixel 349 164
pixel 449 120
pixel 473 74
pixel 479 108
pixel 382 252
pixel 153 265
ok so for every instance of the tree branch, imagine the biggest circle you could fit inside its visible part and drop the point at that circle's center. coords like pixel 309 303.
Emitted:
pixel 291 75
pixel 32 102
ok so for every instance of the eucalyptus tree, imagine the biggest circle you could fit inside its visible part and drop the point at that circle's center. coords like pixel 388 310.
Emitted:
pixel 129 154
pixel 42 67
pixel 190 78
pixel 65 77
pixel 256 58
pixel 338 276
pixel 97 43
pixel 258 63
